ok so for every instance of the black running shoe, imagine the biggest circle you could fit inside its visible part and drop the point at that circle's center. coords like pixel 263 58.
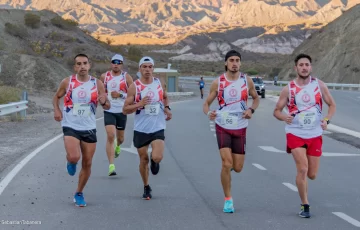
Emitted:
pixel 147 193
pixel 305 211
pixel 155 167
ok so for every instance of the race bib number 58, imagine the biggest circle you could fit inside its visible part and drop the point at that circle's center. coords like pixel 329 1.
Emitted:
pixel 152 109
pixel 82 110
pixel 307 120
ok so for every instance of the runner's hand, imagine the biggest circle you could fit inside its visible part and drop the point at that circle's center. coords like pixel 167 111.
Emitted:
pixel 324 125
pixel 168 114
pixel 288 119
pixel 102 99
pixel 212 115
pixel 57 115
pixel 115 94
pixel 247 114
pixel 146 100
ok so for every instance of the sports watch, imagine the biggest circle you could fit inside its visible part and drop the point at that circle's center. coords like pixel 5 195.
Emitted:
pixel 327 120
pixel 167 107
pixel 252 110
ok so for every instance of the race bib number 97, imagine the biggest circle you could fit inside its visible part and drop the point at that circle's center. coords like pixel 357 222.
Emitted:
pixel 82 110
pixel 152 109
pixel 307 120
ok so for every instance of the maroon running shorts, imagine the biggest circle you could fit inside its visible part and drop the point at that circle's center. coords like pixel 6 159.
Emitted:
pixel 233 139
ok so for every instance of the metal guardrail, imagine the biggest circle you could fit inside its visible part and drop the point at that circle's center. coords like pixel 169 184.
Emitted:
pixel 337 86
pixel 13 107
pixel 180 93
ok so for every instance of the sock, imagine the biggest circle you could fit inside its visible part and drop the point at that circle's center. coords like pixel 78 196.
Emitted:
pixel 228 198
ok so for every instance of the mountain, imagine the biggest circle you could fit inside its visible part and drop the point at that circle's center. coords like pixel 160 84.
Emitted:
pixel 36 52
pixel 334 50
pixel 165 22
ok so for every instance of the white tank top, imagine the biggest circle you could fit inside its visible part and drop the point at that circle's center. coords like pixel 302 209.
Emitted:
pixel 118 84
pixel 150 118
pixel 232 98
pixel 307 123
pixel 80 103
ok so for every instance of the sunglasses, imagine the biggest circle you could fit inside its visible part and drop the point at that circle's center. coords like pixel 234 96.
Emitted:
pixel 118 62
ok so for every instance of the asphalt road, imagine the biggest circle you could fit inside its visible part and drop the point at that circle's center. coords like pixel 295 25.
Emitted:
pixel 187 193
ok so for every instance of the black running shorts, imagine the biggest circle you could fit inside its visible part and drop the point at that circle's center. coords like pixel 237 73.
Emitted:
pixel 88 136
pixel 116 119
pixel 233 139
pixel 143 139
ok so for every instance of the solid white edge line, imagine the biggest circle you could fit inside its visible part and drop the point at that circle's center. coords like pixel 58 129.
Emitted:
pixel 213 130
pixel 8 178
pixel 259 166
pixel 290 186
pixel 347 218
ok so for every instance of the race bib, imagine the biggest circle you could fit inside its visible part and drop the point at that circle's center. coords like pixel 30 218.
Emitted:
pixel 229 119
pixel 307 120
pixel 152 109
pixel 82 110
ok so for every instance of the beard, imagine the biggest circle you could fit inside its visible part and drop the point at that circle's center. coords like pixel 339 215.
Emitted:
pixel 304 76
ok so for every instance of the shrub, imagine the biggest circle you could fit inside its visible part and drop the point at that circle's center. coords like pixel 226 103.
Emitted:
pixel 66 24
pixel 9 94
pixel 32 20
pixel 16 30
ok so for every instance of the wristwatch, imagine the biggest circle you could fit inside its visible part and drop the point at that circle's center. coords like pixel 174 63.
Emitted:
pixel 167 107
pixel 252 110
pixel 327 120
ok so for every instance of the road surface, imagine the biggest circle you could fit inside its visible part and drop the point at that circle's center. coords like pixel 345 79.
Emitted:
pixel 187 193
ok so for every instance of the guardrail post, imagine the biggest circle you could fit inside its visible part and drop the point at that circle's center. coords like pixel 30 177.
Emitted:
pixel 24 97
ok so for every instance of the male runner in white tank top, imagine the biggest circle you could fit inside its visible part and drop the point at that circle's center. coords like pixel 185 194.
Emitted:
pixel 116 84
pixel 82 93
pixel 303 97
pixel 148 98
pixel 231 89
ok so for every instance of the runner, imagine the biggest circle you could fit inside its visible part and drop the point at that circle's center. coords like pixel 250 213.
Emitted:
pixel 82 93
pixel 202 85
pixel 148 98
pixel 116 84
pixel 304 123
pixel 231 89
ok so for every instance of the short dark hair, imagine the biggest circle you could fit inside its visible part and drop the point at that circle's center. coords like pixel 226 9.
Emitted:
pixel 231 53
pixel 302 56
pixel 81 55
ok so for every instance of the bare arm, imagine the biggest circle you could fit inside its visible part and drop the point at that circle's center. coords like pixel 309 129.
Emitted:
pixel 211 97
pixel 129 80
pixel 61 91
pixel 165 96
pixel 129 106
pixel 329 100
pixel 102 78
pixel 104 101
pixel 280 105
pixel 253 93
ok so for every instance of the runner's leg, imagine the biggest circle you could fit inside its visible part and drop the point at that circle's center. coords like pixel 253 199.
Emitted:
pixel 88 151
pixel 144 171
pixel 110 124
pixel 72 147
pixel 238 148
pixel 299 155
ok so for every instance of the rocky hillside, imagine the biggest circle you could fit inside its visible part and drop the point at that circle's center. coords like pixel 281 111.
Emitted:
pixel 37 49
pixel 335 50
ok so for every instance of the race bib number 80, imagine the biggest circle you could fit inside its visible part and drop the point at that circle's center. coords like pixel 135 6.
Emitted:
pixel 152 109
pixel 307 120
pixel 82 110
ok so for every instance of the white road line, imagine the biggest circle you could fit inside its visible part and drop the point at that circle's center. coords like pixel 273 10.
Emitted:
pixel 8 178
pixel 214 135
pixel 212 125
pixel 290 186
pixel 259 166
pixel 325 154
pixel 347 218
pixel 211 122
pixel 212 129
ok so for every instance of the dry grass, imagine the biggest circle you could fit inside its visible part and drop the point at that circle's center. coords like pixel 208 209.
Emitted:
pixel 9 94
